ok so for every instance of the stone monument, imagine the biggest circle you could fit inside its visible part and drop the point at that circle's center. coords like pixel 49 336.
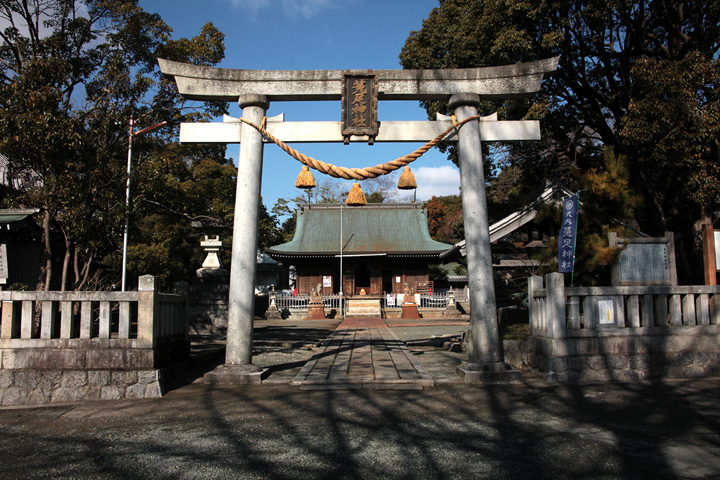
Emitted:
pixel 208 293
pixel 643 261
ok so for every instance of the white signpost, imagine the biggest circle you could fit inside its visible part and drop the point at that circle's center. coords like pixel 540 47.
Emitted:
pixel 3 264
pixel 462 88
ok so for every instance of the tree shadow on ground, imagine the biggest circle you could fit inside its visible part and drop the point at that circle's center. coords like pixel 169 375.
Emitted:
pixel 648 430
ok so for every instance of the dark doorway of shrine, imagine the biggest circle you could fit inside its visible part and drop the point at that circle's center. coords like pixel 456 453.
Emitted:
pixel 362 279
pixel 387 279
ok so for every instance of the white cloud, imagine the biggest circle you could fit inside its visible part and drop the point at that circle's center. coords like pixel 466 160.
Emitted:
pixel 292 8
pixel 253 6
pixel 444 180
pixel 306 8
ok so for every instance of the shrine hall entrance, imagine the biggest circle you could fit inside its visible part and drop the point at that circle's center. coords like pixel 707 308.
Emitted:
pixel 362 280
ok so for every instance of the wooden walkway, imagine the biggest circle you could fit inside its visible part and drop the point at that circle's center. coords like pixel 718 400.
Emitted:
pixel 363 353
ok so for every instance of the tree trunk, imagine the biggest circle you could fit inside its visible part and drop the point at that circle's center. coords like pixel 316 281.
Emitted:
pixel 698 264
pixel 84 275
pixel 48 249
pixel 66 264
pixel 76 268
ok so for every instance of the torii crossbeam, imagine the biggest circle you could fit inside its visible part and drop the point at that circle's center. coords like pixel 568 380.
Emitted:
pixel 462 88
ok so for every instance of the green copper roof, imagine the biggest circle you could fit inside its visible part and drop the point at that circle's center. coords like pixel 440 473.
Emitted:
pixel 372 229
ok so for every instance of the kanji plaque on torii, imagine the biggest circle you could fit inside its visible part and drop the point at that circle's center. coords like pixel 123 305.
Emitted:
pixel 463 89
pixel 359 106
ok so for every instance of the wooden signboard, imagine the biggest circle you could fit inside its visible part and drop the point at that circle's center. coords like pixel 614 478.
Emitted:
pixel 644 261
pixel 711 254
pixel 359 105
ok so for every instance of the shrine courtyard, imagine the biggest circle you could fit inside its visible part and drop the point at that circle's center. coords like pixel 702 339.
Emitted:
pixel 649 429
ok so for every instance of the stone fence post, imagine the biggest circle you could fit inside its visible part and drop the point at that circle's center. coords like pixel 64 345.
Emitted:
pixel 555 305
pixel 147 303
pixel 534 283
pixel 183 288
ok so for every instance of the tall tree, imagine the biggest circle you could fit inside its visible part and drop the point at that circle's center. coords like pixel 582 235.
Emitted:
pixel 617 57
pixel 72 72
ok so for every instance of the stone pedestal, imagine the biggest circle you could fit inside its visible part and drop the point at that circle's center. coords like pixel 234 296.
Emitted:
pixel 489 373
pixel 410 311
pixel 236 375
pixel 316 310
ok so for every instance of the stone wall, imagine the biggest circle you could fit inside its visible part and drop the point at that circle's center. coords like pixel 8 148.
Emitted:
pixel 626 333
pixel 89 345
pixel 683 352
pixel 208 307
pixel 33 387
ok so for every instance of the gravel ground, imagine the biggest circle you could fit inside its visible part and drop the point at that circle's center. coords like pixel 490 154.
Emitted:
pixel 643 430
pixel 451 431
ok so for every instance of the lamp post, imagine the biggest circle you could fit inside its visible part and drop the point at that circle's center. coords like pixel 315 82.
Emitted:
pixel 131 135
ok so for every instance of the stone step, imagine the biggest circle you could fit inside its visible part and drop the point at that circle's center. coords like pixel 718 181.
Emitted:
pixel 363 310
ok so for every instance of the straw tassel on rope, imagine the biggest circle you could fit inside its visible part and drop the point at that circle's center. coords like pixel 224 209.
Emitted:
pixel 305 178
pixel 356 197
pixel 407 180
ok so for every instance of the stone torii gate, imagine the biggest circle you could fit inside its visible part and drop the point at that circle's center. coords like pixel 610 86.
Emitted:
pixel 462 88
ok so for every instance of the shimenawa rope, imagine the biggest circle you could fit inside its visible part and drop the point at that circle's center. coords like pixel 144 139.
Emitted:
pixel 357 173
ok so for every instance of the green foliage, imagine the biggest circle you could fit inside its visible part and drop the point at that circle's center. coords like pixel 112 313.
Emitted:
pixel 445 218
pixel 638 76
pixel 672 128
pixel 606 204
pixel 67 91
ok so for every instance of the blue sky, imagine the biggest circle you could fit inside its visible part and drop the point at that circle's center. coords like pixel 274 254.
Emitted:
pixel 317 35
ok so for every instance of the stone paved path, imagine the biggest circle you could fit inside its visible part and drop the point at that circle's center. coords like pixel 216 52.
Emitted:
pixel 363 353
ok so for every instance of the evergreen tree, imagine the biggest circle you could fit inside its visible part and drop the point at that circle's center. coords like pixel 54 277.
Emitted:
pixel 72 73
pixel 639 76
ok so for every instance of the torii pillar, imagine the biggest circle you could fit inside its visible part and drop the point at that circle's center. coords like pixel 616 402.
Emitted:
pixel 238 368
pixel 485 362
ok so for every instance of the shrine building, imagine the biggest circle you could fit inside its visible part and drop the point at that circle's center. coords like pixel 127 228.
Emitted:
pixel 383 247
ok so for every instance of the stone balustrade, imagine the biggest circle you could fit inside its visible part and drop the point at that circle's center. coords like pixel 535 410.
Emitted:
pixel 622 333
pixel 59 337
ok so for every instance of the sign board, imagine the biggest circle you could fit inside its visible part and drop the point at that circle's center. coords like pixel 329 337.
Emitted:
pixel 644 261
pixel 359 105
pixel 717 249
pixel 566 240
pixel 606 312
pixel 327 281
